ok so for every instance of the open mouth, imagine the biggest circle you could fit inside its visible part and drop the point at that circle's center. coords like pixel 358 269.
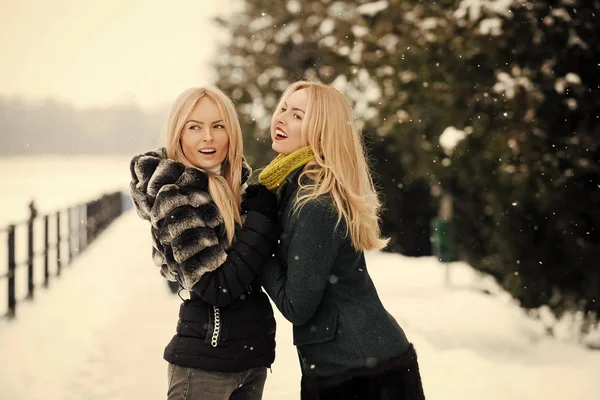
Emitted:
pixel 207 151
pixel 280 134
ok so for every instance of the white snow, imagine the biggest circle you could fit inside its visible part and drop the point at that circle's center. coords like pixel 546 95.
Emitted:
pixel 573 78
pixel 491 26
pixel 372 8
pixel 560 85
pixel 286 31
pixel 260 23
pixel 359 31
pixel 473 9
pixel 508 84
pixel 429 23
pixel 450 138
pixel 356 54
pixel 293 6
pixel 326 26
pixel 561 13
pixel 363 90
pixel 99 331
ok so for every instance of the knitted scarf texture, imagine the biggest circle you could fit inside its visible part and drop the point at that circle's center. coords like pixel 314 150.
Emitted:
pixel 274 174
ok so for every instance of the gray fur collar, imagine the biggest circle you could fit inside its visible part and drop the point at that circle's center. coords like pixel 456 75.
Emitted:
pixel 186 223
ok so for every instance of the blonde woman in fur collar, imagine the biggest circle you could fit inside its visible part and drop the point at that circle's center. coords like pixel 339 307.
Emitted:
pixel 349 346
pixel 213 244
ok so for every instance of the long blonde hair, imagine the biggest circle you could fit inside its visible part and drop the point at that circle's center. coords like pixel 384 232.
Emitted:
pixel 340 167
pixel 225 189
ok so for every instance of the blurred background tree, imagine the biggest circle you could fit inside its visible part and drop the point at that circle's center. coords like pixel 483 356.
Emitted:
pixel 275 44
pixel 495 103
pixel 124 128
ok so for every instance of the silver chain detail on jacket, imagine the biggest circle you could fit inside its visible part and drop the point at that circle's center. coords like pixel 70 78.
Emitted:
pixel 217 327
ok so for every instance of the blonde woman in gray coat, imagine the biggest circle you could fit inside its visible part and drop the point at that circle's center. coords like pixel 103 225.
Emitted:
pixel 349 346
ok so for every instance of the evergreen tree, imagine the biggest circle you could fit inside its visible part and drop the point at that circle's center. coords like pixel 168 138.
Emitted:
pixel 518 78
pixel 274 44
pixel 530 167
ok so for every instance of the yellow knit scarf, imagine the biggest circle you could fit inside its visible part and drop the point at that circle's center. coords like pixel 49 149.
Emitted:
pixel 274 174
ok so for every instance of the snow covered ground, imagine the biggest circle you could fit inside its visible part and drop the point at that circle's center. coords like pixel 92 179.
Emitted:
pixel 99 331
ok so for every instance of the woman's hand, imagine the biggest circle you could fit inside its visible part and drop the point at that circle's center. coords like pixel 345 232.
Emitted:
pixel 261 200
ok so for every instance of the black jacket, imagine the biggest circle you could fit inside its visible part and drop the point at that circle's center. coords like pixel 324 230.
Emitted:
pixel 227 325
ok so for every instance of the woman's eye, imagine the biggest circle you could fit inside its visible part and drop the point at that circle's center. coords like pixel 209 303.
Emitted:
pixel 194 127
pixel 283 109
pixel 219 126
pixel 297 116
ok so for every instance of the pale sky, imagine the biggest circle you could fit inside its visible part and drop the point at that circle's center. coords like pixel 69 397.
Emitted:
pixel 90 52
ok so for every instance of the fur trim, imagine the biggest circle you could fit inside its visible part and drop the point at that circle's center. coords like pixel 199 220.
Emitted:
pixel 171 196
pixel 184 218
pixel 186 224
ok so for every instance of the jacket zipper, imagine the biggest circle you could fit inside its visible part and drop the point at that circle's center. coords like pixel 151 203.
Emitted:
pixel 217 327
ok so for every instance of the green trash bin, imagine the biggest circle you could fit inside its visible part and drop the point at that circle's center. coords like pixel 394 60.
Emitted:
pixel 442 240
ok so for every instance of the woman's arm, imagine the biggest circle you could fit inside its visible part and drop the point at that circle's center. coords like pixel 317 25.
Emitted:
pixel 252 247
pixel 313 249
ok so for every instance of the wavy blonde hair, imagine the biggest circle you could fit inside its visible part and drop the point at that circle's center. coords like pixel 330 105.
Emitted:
pixel 225 189
pixel 340 168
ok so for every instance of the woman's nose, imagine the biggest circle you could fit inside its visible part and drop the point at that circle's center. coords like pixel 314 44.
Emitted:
pixel 208 136
pixel 281 118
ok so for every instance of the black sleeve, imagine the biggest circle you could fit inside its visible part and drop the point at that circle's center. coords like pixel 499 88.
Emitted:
pixel 251 249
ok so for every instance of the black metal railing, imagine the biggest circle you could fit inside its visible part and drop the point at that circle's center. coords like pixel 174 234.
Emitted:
pixel 64 235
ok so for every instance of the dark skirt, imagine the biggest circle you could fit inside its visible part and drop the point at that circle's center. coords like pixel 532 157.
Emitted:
pixel 397 379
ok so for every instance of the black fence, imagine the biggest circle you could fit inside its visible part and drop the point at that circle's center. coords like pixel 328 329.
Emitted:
pixel 47 243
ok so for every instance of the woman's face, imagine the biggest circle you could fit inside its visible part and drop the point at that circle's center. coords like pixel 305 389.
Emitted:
pixel 204 140
pixel 286 126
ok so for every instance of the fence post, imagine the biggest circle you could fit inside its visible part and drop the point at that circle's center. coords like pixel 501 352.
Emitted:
pixel 81 227
pixel 12 301
pixel 88 223
pixel 92 221
pixel 93 218
pixel 58 260
pixel 32 217
pixel 69 231
pixel 46 245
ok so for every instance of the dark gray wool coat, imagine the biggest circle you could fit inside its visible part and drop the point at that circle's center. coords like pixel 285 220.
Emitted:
pixel 321 284
pixel 227 324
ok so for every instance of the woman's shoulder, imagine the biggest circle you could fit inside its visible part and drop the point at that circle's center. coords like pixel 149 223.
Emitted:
pixel 159 184
pixel 319 210
pixel 145 164
pixel 318 220
pixel 322 204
